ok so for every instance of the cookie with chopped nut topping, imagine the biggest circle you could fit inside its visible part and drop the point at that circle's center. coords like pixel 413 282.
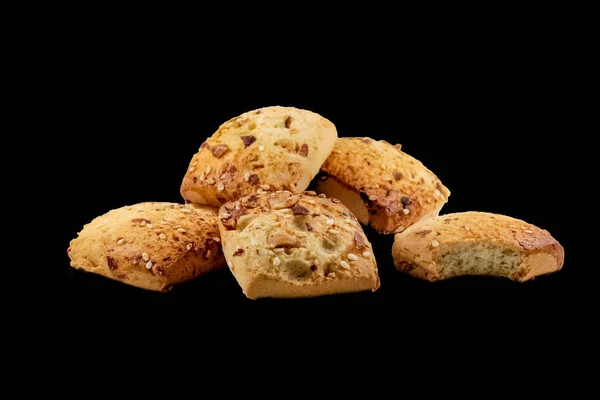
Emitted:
pixel 287 245
pixel 150 245
pixel 273 148
pixel 476 243
pixel 383 186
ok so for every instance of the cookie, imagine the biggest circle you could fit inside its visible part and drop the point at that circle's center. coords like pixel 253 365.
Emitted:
pixel 273 148
pixel 288 245
pixel 383 186
pixel 150 245
pixel 476 243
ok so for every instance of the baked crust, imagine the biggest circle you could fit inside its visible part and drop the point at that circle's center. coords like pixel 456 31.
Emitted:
pixel 288 245
pixel 273 148
pixel 150 245
pixel 397 190
pixel 421 249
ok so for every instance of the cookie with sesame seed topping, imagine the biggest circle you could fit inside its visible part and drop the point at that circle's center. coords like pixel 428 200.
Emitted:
pixel 150 245
pixel 384 187
pixel 476 243
pixel 286 245
pixel 273 148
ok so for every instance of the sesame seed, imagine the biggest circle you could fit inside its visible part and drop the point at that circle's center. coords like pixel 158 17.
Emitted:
pixel 330 222
pixel 149 265
pixel 280 250
pixel 348 221
pixel 261 148
pixel 208 254
pixel 265 187
pixel 338 152
pixel 435 243
pixel 260 191
pixel 210 181
pixel 192 169
pixel 276 261
pixel 189 246
pixel 334 231
pixel 216 239
pixel 289 216
pixel 220 186
pixel 399 229
pixel 345 265
pixel 149 226
pixel 528 231
pixel 163 222
pixel 186 210
pixel 208 169
pixel 230 264
pixel 143 223
pixel 406 211
pixel 181 230
pixel 523 227
pixel 254 242
pixel 99 225
pixel 202 177
pixel 225 216
pixel 121 241
pixel 270 253
pixel 372 197
pixel 194 163
pixel 438 193
pixel 467 228
pixel 336 201
pixel 145 256
pixel 247 176
pixel 366 253
pixel 352 257
pixel 311 202
pixel 162 236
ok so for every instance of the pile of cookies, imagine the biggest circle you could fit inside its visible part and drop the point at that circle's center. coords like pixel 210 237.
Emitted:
pixel 247 208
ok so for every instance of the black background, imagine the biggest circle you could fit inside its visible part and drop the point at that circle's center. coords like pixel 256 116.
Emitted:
pixel 487 115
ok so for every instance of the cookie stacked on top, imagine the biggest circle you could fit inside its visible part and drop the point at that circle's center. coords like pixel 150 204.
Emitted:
pixel 277 239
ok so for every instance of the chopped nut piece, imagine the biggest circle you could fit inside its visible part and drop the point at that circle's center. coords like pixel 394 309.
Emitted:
pixel 248 140
pixel 219 150
pixel 282 239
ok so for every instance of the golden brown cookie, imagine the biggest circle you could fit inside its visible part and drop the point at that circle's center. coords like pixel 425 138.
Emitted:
pixel 383 186
pixel 273 148
pixel 286 245
pixel 476 243
pixel 150 245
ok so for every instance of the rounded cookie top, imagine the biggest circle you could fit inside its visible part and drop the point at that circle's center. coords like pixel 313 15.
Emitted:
pixel 298 239
pixel 273 148
pixel 397 188
pixel 150 245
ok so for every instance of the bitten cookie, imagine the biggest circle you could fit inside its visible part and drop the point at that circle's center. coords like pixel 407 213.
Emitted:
pixel 274 148
pixel 476 243
pixel 150 245
pixel 296 245
pixel 382 186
